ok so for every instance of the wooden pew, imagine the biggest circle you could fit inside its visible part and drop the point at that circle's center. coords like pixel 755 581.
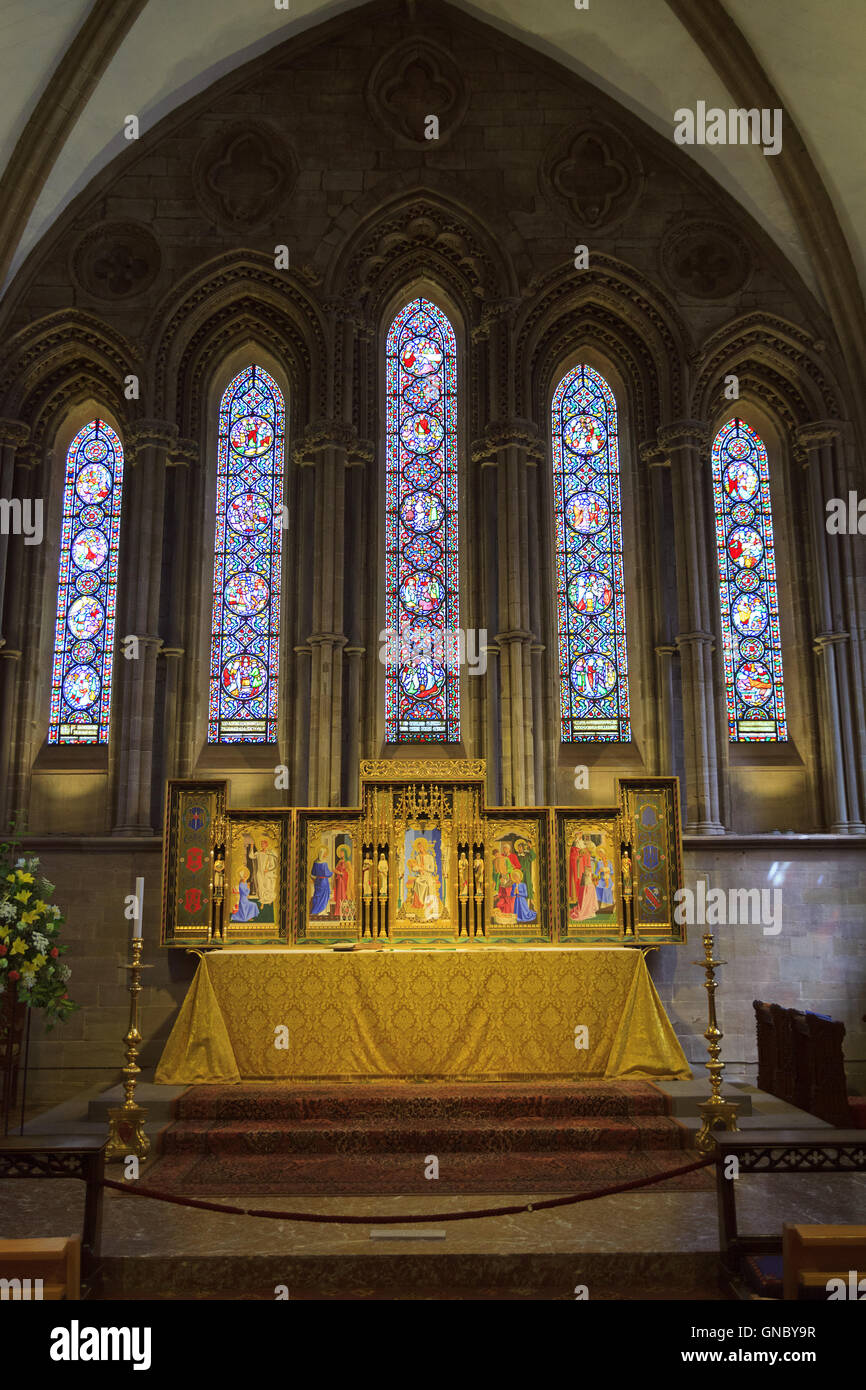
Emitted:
pixel 814 1254
pixel 64 1156
pixel 33 1270
pixel 776 1151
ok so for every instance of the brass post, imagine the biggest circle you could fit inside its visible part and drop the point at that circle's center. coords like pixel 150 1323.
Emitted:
pixel 126 1122
pixel 714 1111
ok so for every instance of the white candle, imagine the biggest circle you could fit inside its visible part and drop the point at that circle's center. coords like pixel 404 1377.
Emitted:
pixel 139 907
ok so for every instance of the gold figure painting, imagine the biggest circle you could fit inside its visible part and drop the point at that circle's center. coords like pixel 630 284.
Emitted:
pixel 589 873
pixel 516 874
pixel 253 878
pixel 422 886
pixel 332 868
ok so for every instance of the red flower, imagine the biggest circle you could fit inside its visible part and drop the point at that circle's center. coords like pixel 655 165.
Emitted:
pixel 13 975
pixel 54 951
pixel 3 950
pixel 64 996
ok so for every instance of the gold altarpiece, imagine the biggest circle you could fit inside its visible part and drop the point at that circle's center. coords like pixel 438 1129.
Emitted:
pixel 423 860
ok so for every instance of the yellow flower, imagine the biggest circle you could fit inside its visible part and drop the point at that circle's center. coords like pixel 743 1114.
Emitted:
pixel 23 896
pixel 40 905
pixel 22 877
pixel 38 961
pixel 4 933
pixel 28 917
pixel 19 946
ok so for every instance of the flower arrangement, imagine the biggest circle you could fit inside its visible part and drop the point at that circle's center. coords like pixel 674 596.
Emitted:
pixel 30 950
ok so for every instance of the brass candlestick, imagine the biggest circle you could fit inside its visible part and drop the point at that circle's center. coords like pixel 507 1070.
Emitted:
pixel 714 1111
pixel 126 1122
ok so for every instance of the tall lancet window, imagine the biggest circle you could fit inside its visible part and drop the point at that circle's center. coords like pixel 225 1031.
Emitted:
pixel 422 607
pixel 245 651
pixel 754 690
pixel 590 596
pixel 80 709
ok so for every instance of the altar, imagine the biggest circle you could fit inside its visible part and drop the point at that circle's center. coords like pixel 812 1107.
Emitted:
pixel 492 1013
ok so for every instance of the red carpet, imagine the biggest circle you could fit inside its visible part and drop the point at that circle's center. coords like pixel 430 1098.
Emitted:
pixel 373 1140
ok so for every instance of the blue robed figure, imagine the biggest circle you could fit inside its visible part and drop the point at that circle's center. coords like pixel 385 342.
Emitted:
pixel 320 874
pixel 247 910
pixel 522 911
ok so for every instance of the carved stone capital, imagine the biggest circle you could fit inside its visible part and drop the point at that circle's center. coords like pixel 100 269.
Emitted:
pixel 184 454
pixel 508 434
pixel 684 434
pixel 695 639
pixel 817 433
pixel 829 639
pixel 515 634
pixel 332 434
pixel 153 434
pixel 14 432
pixel 653 454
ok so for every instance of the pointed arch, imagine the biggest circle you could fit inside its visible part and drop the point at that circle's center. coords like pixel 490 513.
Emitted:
pixel 245 654
pixel 81 673
pixel 590 593
pixel 422 601
pixel 748 593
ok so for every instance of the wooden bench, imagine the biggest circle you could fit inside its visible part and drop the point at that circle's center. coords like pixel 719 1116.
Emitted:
pixel 812 1255
pixel 64 1156
pixel 776 1151
pixel 34 1270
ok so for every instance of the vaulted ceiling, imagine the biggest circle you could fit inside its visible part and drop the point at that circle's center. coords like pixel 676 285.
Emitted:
pixel 72 70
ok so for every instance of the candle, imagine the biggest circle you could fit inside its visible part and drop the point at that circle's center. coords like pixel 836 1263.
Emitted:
pixel 139 907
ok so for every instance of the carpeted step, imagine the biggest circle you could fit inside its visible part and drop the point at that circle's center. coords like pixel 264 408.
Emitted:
pixel 396 1135
pixel 279 1102
pixel 371 1175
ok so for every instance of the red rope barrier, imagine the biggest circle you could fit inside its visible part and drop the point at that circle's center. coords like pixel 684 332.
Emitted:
pixel 400 1220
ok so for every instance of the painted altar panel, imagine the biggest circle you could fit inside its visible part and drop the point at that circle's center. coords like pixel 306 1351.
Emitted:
pixel 330 871
pixel 194 812
pixel 651 821
pixel 589 876
pixel 256 855
pixel 517 900
pixel 423 872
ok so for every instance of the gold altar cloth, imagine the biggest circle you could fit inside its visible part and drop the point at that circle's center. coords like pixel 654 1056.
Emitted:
pixel 472 1014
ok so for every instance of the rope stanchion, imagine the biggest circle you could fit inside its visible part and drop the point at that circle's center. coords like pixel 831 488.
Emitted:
pixel 391 1220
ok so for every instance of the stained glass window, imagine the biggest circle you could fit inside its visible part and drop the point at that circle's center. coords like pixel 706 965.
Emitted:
pixel 245 653
pixel 754 690
pixel 87 589
pixel 590 597
pixel 422 617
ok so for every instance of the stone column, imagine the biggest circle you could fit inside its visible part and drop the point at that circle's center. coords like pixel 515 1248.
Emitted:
pixel 664 708
pixel 685 443
pixel 327 639
pixel 822 452
pixel 516 450
pixel 181 459
pixel 141 556
pixel 13 435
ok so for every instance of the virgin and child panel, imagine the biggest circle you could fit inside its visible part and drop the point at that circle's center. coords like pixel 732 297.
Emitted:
pixel 423 876
pixel 589 875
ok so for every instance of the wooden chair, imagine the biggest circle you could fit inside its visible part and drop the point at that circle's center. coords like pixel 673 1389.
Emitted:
pixel 32 1270
pixel 812 1255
